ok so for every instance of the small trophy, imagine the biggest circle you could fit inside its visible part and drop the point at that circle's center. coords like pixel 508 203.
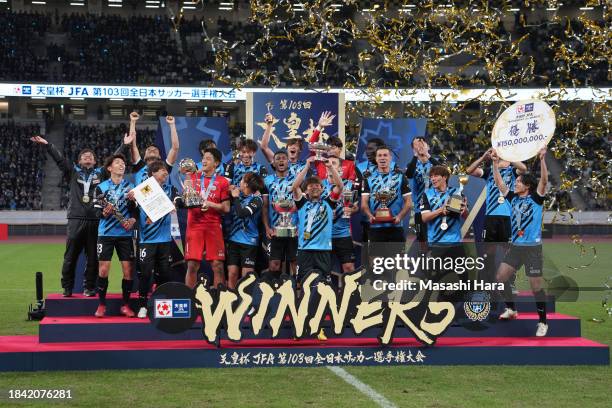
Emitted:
pixel 103 202
pixel 456 200
pixel 348 198
pixel 383 214
pixel 284 227
pixel 319 148
pixel 191 198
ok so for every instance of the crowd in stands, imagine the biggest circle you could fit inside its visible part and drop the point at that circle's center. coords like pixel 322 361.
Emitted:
pixel 111 48
pixel 103 140
pixel 21 167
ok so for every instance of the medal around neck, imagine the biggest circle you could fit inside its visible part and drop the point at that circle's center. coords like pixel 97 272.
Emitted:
pixel 523 129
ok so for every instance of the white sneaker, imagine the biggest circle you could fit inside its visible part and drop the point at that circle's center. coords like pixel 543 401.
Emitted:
pixel 142 313
pixel 542 329
pixel 508 314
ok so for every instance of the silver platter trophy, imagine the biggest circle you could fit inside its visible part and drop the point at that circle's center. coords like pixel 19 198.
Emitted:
pixel 191 198
pixel 284 227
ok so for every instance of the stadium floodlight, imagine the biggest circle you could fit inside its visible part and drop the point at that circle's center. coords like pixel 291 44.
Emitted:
pixel 116 99
pixel 231 3
pixel 228 101
pixel 77 99
pixel 39 2
pixel 151 6
pixel 154 100
pixel 77 4
pixel 514 9
pixel 115 5
pixel 192 100
pixel 189 7
pixel 115 1
pixel 586 8
pixel 38 97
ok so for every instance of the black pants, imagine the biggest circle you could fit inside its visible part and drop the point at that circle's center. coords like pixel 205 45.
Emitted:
pixel 82 234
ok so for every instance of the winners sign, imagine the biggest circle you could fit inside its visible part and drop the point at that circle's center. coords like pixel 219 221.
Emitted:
pixel 226 309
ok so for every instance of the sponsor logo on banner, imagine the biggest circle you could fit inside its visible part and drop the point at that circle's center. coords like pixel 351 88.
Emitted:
pixel 528 107
pixel 520 109
pixel 172 308
pixel 26 90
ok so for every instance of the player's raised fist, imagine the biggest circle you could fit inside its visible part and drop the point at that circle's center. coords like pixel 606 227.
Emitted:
pixel 134 116
pixel 269 119
pixel 170 120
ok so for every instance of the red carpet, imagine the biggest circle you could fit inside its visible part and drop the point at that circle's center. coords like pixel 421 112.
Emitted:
pixel 12 344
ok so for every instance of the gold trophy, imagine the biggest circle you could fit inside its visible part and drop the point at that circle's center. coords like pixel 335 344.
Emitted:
pixel 284 227
pixel 456 200
pixel 383 214
pixel 191 198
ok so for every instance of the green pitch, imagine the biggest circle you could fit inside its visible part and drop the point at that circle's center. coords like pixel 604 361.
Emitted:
pixel 311 387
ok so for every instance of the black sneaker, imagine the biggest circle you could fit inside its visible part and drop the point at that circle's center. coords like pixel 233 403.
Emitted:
pixel 67 292
pixel 89 293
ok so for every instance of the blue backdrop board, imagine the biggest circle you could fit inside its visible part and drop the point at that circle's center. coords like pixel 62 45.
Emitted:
pixel 296 114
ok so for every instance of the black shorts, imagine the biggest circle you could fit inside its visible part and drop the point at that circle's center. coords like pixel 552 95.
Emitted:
pixel 497 229
pixel 420 228
pixel 283 249
pixel 240 254
pixel 386 234
pixel 309 260
pixel 155 256
pixel 343 249
pixel 528 255
pixel 123 245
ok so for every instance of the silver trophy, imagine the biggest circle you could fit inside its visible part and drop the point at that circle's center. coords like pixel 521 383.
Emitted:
pixel 319 148
pixel 191 198
pixel 348 199
pixel 284 227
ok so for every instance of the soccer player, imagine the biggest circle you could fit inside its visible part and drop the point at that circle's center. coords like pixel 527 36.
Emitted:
pixel 209 144
pixel 294 149
pixel 418 175
pixel 114 231
pixel 315 220
pixel 234 171
pixel 152 154
pixel 277 188
pixel 204 231
pixel 443 226
pixel 342 241
pixel 400 203
pixel 497 213
pixel 247 203
pixel 347 171
pixel 526 202
pixel 155 240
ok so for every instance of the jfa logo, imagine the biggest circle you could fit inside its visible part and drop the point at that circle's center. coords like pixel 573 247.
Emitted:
pixel 529 107
pixel 520 109
pixel 172 308
pixel 163 308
